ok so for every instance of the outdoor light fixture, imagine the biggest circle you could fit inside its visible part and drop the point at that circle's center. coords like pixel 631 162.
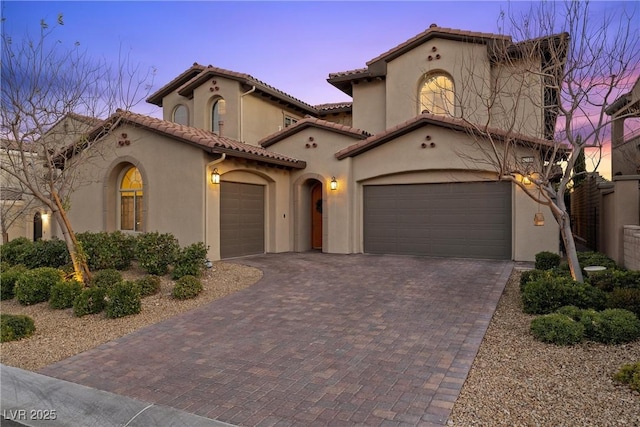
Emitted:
pixel 334 183
pixel 538 219
pixel 45 216
pixel 215 176
pixel 526 180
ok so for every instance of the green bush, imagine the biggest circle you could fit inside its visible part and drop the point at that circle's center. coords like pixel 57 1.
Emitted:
pixel 190 261
pixel 15 326
pixel 106 278
pixel 570 311
pixel 148 285
pixel 8 279
pixel 108 250
pixel 608 280
pixel 587 259
pixel 589 318
pixel 13 252
pixel 63 294
pixel 546 295
pixel 47 253
pixel 627 298
pixel 155 252
pixel 616 326
pixel 123 299
pixel 547 261
pixel 90 301
pixel 34 286
pixel 187 287
pixel 629 374
pixel 557 329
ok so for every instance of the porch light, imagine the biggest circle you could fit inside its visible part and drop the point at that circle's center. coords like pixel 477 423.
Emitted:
pixel 215 176
pixel 334 183
pixel 538 219
pixel 526 180
pixel 45 216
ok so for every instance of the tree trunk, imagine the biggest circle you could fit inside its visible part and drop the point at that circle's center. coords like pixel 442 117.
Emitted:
pixel 78 258
pixel 567 237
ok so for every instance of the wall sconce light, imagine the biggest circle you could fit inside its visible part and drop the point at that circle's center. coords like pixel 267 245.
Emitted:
pixel 44 216
pixel 334 183
pixel 215 176
pixel 538 219
pixel 526 180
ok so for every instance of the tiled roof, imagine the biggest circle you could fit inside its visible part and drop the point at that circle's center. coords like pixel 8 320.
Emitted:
pixel 206 73
pixel 313 122
pixel 327 108
pixel 348 73
pixel 208 141
pixel 435 31
pixel 185 76
pixel 425 119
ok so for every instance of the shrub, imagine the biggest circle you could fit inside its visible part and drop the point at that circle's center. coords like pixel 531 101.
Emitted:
pixel 47 253
pixel 63 294
pixel 604 280
pixel 13 252
pixel 557 329
pixel 570 311
pixel 190 261
pixel 546 295
pixel 627 298
pixel 187 287
pixel 615 326
pixel 123 299
pixel 155 252
pixel 8 279
pixel 547 260
pixel 107 250
pixel 34 286
pixel 589 318
pixel 608 280
pixel 106 278
pixel 595 258
pixel 148 285
pixel 90 301
pixel 629 374
pixel 15 326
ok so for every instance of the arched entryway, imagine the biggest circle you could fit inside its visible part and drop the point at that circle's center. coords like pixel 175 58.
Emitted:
pixel 37 226
pixel 316 215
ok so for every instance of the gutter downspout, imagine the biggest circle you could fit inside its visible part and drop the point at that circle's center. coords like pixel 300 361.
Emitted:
pixel 205 219
pixel 241 118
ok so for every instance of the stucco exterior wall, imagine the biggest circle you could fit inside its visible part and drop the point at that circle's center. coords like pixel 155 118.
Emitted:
pixel 620 208
pixel 369 99
pixel 171 101
pixel 204 98
pixel 632 247
pixel 173 177
pixel 262 118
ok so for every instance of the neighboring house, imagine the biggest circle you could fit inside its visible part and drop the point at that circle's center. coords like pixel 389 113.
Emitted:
pixel 248 169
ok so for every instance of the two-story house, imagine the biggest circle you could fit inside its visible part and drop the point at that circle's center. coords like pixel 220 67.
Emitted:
pixel 248 169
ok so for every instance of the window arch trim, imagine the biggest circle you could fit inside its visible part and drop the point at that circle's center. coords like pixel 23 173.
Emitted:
pixel 436 94
pixel 179 120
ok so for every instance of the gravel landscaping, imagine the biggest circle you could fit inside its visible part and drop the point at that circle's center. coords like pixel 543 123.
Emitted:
pixel 514 381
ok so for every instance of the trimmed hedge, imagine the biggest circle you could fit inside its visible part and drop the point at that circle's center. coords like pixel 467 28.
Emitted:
pixel 586 259
pixel 547 261
pixel 148 285
pixel 616 326
pixel 108 250
pixel 106 278
pixel 608 280
pixel 627 298
pixel 15 326
pixel 187 287
pixel 14 251
pixel 190 261
pixel 90 301
pixel 557 329
pixel 547 294
pixel 123 299
pixel 34 286
pixel 63 294
pixel 155 252
pixel 8 279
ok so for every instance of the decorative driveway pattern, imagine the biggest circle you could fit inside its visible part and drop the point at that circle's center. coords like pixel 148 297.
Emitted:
pixel 321 340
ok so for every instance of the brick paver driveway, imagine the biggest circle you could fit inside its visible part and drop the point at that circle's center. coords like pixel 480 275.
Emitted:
pixel 320 340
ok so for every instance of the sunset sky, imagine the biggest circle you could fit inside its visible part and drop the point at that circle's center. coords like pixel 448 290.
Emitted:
pixel 290 45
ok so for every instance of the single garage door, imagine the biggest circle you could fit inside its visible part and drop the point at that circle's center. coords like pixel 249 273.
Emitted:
pixel 471 220
pixel 241 219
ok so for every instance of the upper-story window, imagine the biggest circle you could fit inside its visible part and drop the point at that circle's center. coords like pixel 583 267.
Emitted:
pixel 288 121
pixel 437 95
pixel 131 200
pixel 218 109
pixel 181 115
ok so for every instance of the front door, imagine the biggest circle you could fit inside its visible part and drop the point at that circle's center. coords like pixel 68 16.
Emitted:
pixel 316 216
pixel 37 226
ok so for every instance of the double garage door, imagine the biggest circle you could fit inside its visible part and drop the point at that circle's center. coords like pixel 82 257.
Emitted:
pixel 241 219
pixel 471 220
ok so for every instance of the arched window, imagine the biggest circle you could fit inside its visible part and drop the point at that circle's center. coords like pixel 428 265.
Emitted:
pixel 217 111
pixel 437 95
pixel 181 115
pixel 131 200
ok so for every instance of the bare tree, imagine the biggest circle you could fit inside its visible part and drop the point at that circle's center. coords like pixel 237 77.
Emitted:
pixel 52 95
pixel 566 62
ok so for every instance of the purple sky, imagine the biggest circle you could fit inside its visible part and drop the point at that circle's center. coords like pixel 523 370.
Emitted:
pixel 290 45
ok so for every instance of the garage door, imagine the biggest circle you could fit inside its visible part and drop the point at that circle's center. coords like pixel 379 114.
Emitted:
pixel 241 219
pixel 471 220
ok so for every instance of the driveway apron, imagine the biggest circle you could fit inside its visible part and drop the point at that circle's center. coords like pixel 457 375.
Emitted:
pixel 321 339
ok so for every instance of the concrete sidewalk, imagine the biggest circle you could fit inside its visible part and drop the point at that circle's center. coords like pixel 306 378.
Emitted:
pixel 30 399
